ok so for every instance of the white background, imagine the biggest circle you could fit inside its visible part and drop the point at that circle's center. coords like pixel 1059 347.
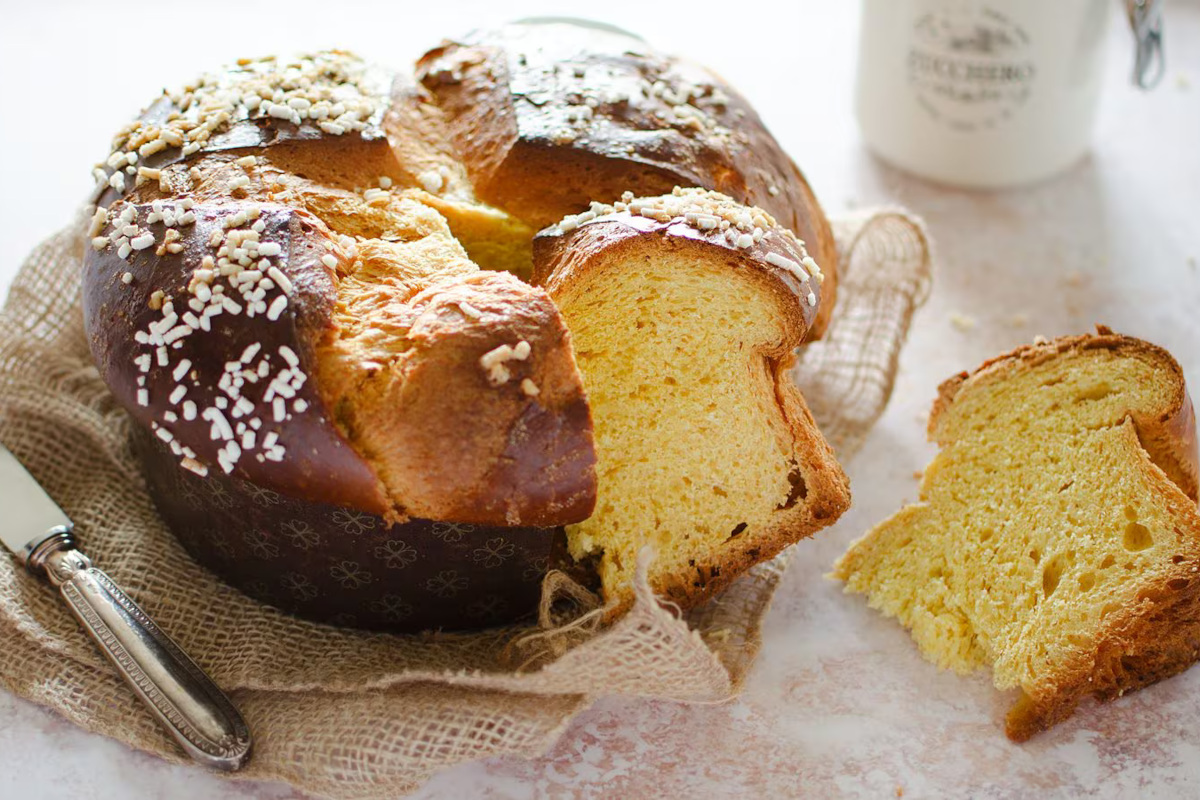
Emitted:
pixel 839 702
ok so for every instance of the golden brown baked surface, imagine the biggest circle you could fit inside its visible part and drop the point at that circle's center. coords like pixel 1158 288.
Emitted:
pixel 312 277
pixel 551 116
pixel 684 311
pixel 283 299
pixel 1057 539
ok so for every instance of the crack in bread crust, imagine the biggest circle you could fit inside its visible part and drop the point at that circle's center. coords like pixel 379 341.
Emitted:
pixel 550 117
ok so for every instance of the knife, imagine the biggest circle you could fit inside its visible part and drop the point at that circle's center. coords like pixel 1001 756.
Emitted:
pixel 177 691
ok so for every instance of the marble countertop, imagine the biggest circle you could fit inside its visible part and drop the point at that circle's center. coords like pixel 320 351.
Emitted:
pixel 839 702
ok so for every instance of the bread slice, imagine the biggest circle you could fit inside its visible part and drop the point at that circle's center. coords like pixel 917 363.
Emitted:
pixel 684 325
pixel 1057 538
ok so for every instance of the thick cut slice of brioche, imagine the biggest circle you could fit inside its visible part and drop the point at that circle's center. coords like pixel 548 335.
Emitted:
pixel 1057 538
pixel 705 450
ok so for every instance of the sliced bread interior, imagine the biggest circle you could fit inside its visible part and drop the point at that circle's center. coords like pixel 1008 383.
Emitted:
pixel 706 452
pixel 1056 539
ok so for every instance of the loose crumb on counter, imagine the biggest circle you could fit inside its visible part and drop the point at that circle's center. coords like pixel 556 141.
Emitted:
pixel 963 322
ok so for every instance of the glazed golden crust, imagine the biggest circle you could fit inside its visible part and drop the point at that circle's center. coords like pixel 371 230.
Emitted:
pixel 293 198
pixel 551 116
pixel 212 116
pixel 512 457
pixel 552 247
pixel 442 392
pixel 319 463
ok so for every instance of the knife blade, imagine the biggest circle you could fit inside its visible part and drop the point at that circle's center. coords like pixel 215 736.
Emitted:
pixel 184 699
pixel 32 517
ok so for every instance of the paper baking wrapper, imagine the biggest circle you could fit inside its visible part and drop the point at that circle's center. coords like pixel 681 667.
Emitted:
pixel 346 713
pixel 348 567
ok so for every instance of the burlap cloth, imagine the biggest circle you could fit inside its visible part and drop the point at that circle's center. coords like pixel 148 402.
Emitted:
pixel 349 714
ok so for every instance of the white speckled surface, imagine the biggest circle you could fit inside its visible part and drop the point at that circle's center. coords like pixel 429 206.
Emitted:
pixel 840 704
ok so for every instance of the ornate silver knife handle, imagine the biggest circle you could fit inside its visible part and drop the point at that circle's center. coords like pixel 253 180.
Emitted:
pixel 184 699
